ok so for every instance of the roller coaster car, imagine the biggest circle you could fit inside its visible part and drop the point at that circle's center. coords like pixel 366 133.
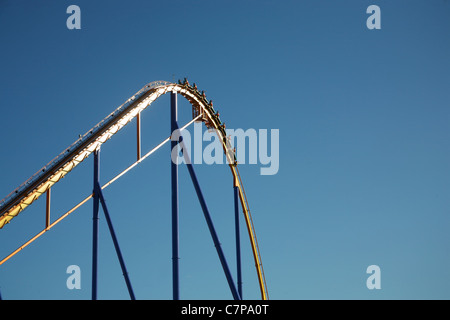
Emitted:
pixel 202 96
pixel 194 86
pixel 210 110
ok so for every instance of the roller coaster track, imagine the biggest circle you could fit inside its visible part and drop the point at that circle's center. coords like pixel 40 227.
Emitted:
pixel 41 182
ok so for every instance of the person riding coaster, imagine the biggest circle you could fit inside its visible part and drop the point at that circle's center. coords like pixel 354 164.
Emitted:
pixel 211 108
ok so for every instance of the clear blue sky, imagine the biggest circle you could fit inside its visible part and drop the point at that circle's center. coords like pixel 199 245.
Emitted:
pixel 363 116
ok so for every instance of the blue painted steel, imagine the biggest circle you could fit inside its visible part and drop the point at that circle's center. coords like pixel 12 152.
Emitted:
pixel 98 198
pixel 116 243
pixel 238 240
pixel 174 178
pixel 208 219
pixel 95 226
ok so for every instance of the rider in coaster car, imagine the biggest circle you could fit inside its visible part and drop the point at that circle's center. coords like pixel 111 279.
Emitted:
pixel 210 107
pixel 204 97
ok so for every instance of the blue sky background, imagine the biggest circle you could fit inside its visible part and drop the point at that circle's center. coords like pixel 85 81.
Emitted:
pixel 364 158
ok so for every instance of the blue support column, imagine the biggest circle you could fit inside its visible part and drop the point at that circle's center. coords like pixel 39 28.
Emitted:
pixel 116 243
pixel 209 222
pixel 98 198
pixel 95 226
pixel 174 178
pixel 238 238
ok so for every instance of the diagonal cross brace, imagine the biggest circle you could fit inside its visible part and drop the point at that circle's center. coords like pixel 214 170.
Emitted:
pixel 98 196
pixel 208 219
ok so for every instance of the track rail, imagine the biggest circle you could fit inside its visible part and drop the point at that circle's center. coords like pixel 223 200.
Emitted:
pixel 38 184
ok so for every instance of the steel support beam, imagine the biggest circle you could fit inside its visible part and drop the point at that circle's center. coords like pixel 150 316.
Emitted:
pixel 47 209
pixel 116 243
pixel 99 199
pixel 209 222
pixel 174 178
pixel 95 225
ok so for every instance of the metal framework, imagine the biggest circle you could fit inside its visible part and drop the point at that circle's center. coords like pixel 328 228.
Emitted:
pixel 202 110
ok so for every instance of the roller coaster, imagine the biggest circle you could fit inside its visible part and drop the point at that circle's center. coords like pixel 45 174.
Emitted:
pixel 202 111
